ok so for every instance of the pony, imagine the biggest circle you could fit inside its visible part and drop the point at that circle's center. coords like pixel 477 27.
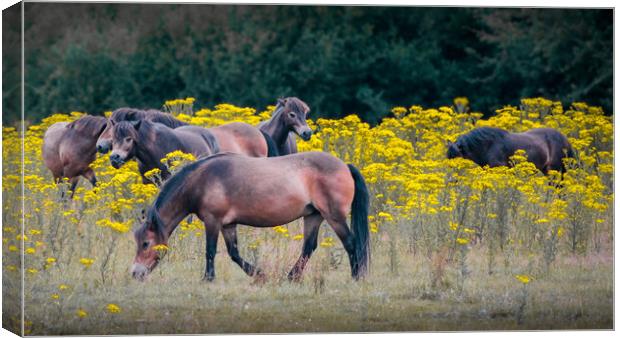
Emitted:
pixel 288 118
pixel 545 147
pixel 104 143
pixel 69 148
pixel 227 189
pixel 149 142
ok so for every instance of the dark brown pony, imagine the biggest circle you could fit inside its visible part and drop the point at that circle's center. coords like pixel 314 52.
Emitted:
pixel 288 118
pixel 69 148
pixel 104 144
pixel 545 147
pixel 149 142
pixel 227 189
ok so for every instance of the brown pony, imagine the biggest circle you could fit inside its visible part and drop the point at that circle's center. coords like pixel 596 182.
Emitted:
pixel 69 148
pixel 289 118
pixel 227 189
pixel 104 143
pixel 545 147
pixel 149 142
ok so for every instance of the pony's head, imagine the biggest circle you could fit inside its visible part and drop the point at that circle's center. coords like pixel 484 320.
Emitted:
pixel 124 140
pixel 104 143
pixel 293 113
pixel 454 150
pixel 151 245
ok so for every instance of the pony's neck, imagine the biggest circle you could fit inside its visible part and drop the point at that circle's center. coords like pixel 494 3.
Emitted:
pixel 154 145
pixel 171 216
pixel 276 129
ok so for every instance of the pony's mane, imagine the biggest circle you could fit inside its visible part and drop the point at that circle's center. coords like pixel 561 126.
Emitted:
pixel 296 105
pixel 127 128
pixel 154 222
pixel 153 115
pixel 481 136
pixel 164 118
pixel 92 125
pixel 123 129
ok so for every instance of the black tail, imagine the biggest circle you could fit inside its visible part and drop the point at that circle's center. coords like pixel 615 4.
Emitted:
pixel 272 149
pixel 359 222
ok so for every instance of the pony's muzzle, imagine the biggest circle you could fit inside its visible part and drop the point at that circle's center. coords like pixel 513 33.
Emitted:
pixel 116 161
pixel 103 147
pixel 139 271
pixel 306 134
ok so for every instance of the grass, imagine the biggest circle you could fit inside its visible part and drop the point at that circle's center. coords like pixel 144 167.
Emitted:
pixel 576 293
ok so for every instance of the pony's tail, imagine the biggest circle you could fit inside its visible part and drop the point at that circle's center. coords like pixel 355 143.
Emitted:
pixel 359 222
pixel 272 149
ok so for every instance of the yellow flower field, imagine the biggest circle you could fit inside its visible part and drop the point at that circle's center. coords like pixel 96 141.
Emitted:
pixel 446 234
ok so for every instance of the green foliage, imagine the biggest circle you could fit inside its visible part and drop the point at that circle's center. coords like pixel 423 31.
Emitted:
pixel 341 60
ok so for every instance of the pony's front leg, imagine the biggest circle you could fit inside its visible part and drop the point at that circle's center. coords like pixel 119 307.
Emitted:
pixel 212 233
pixel 230 237
pixel 90 176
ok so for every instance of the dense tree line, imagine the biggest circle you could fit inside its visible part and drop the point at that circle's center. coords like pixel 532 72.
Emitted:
pixel 341 60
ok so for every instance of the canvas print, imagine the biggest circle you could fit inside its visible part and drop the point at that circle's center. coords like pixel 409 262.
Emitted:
pixel 223 168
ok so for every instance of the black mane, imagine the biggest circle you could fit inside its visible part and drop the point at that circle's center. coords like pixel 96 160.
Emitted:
pixel 92 125
pixel 153 115
pixel 296 105
pixel 480 137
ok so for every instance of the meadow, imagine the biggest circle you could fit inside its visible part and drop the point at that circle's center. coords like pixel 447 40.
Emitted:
pixel 454 246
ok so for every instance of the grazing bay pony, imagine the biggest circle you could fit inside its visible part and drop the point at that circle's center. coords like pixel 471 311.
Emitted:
pixel 69 148
pixel 227 189
pixel 288 119
pixel 104 143
pixel 545 147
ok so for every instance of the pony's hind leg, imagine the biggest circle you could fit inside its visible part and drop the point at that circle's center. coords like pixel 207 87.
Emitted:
pixel 311 232
pixel 339 224
pixel 230 237
pixel 73 181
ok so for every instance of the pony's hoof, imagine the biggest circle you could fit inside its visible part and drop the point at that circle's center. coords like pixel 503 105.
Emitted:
pixel 208 279
pixel 259 278
pixel 294 277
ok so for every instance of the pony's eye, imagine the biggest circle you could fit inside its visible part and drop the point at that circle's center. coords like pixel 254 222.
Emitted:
pixel 127 139
pixel 145 245
pixel 291 115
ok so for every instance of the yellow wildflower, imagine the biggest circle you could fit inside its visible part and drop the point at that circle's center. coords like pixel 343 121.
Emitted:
pixel 462 241
pixel 113 308
pixel 523 278
pixel 87 262
pixel 160 247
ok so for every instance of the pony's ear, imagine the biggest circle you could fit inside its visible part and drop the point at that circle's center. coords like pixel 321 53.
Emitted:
pixel 136 124
pixel 281 102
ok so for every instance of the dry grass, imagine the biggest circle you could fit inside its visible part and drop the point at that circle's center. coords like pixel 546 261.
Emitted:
pixel 419 293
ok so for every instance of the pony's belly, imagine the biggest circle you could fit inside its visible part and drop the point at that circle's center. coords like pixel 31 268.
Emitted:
pixel 271 219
